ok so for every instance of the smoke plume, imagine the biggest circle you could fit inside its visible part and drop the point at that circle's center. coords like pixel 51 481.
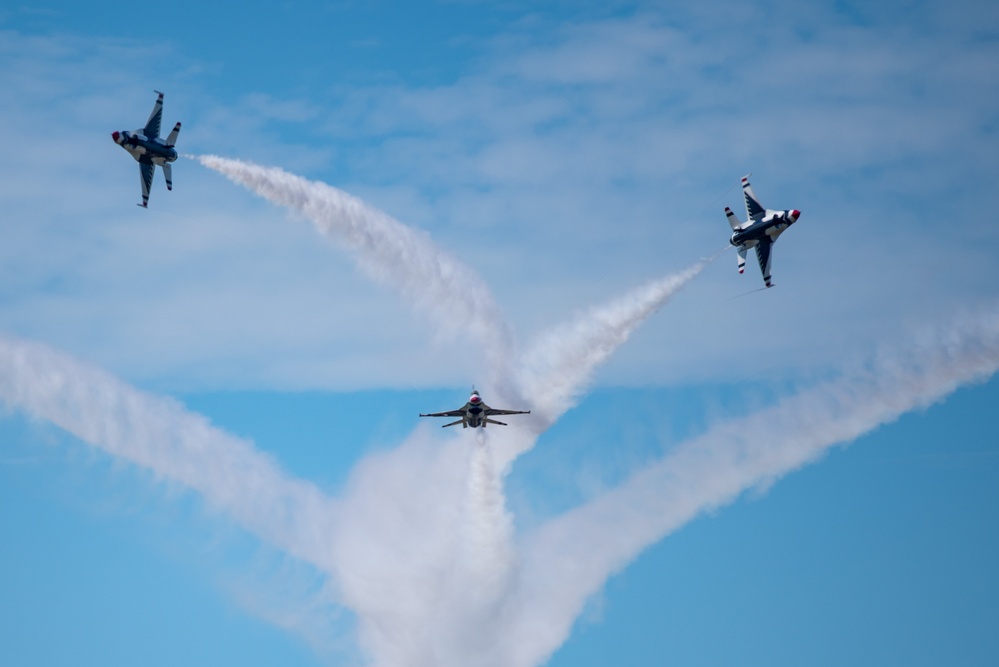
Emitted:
pixel 420 545
pixel 389 251
pixel 160 435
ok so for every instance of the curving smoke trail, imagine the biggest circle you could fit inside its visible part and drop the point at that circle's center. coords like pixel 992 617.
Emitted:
pixel 570 558
pixel 389 251
pixel 558 366
pixel 178 446
pixel 420 545
pixel 550 375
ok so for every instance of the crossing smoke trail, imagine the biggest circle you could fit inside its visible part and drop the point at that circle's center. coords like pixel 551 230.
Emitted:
pixel 158 434
pixel 389 251
pixel 569 558
pixel 422 591
pixel 420 545
pixel 389 544
pixel 550 375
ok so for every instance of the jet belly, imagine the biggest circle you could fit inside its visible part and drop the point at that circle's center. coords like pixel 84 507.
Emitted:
pixel 475 416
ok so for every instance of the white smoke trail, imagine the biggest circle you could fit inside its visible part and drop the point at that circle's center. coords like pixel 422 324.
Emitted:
pixel 558 365
pixel 551 375
pixel 422 591
pixel 159 434
pixel 424 553
pixel 420 587
pixel 391 252
pixel 570 558
pixel 426 593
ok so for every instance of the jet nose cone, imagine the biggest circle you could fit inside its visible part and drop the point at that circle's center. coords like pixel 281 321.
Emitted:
pixel 115 135
pixel 794 214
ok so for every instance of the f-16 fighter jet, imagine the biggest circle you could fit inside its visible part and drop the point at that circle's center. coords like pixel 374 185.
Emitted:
pixel 475 413
pixel 759 231
pixel 146 146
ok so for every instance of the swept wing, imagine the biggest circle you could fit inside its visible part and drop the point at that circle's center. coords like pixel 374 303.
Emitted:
pixel 152 128
pixel 754 210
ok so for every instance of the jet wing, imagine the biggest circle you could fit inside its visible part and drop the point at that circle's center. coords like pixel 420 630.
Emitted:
pixel 763 254
pixel 493 411
pixel 449 413
pixel 146 170
pixel 152 128
pixel 754 209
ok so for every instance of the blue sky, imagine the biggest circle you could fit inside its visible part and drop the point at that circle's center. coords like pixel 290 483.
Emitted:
pixel 565 153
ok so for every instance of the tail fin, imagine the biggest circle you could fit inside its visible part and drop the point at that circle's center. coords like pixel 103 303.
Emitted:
pixel 168 175
pixel 171 140
pixel 732 220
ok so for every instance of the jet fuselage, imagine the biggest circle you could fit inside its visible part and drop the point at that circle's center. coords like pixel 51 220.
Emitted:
pixel 143 149
pixel 772 224
pixel 473 412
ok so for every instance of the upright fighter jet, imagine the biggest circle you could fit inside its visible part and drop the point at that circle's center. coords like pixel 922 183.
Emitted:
pixel 149 150
pixel 475 413
pixel 760 230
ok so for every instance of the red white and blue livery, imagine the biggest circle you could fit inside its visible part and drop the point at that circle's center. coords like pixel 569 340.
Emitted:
pixel 146 146
pixel 759 231
pixel 475 413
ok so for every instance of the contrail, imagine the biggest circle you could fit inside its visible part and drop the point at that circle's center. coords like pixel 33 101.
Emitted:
pixel 420 545
pixel 159 434
pixel 556 368
pixel 558 365
pixel 407 543
pixel 389 251
pixel 570 558
pixel 550 375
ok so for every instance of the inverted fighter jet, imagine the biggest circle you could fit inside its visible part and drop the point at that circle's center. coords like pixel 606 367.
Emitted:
pixel 760 230
pixel 149 150
pixel 475 413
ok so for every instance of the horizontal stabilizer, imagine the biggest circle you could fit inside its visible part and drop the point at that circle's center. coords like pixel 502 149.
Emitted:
pixel 742 259
pixel 168 175
pixel 491 421
pixel 732 220
pixel 453 423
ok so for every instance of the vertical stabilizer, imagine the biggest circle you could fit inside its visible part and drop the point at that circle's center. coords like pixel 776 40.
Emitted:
pixel 171 140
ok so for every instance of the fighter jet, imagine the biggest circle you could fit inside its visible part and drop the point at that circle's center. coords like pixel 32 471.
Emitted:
pixel 760 230
pixel 475 413
pixel 146 146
